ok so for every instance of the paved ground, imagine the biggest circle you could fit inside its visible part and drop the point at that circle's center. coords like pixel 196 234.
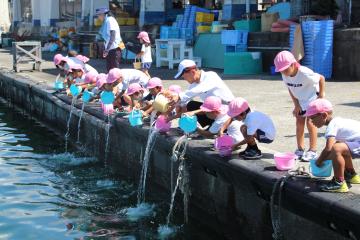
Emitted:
pixel 264 93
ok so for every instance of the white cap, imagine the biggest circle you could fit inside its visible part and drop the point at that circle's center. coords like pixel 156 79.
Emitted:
pixel 183 65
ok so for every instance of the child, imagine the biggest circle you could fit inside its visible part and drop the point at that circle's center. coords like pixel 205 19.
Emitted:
pixel 176 89
pixel 342 144
pixel 155 87
pixel 304 86
pixel 113 83
pixel 90 80
pixel 214 109
pixel 135 92
pixel 145 52
pixel 100 82
pixel 77 73
pixel 256 125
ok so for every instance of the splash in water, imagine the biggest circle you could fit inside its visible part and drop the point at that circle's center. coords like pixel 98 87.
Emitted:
pixel 79 123
pixel 164 231
pixel 67 134
pixel 140 211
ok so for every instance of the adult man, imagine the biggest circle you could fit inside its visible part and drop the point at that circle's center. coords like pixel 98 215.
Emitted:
pixel 202 84
pixel 110 32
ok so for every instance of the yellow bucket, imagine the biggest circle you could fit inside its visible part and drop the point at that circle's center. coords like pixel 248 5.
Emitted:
pixel 161 103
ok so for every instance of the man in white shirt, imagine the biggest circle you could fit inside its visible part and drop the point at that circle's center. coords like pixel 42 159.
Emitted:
pixel 202 84
pixel 110 32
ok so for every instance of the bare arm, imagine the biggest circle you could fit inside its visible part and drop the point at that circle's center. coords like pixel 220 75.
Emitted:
pixel 326 151
pixel 322 87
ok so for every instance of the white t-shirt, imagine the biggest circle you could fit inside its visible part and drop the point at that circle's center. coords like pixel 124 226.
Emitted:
pixel 304 85
pixel 132 76
pixel 234 131
pixel 111 25
pixel 218 123
pixel 146 57
pixel 343 129
pixel 210 85
pixel 257 120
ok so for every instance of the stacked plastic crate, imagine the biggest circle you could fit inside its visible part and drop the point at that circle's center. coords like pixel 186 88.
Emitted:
pixel 203 22
pixel 234 40
pixel 236 58
pixel 318 45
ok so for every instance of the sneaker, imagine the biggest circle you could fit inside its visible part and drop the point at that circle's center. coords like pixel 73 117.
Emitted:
pixel 335 186
pixel 252 154
pixel 241 154
pixel 299 153
pixel 352 178
pixel 309 155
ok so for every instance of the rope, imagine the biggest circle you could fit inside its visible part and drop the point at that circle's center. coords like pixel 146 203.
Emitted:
pixel 278 187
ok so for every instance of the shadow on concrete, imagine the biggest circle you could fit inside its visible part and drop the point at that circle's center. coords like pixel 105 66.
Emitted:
pixel 353 104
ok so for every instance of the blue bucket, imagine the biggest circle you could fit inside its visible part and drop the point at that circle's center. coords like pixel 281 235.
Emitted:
pixel 135 118
pixel 87 96
pixel 107 97
pixel 323 171
pixel 59 85
pixel 188 123
pixel 75 90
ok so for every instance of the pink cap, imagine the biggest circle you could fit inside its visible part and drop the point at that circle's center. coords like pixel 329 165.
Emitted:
pixel 212 104
pixel 154 82
pixel 113 75
pixel 237 106
pixel 75 66
pixel 90 77
pixel 175 88
pixel 133 88
pixel 144 36
pixel 101 80
pixel 319 105
pixel 283 60
pixel 58 58
pixel 82 58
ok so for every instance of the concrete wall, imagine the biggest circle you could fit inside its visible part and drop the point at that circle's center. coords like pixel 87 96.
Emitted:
pixel 229 196
pixel 347 54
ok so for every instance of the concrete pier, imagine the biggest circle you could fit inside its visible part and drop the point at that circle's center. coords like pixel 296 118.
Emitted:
pixel 229 195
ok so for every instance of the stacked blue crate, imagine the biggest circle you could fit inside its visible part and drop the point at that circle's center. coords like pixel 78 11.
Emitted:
pixel 234 40
pixel 318 45
pixel 187 34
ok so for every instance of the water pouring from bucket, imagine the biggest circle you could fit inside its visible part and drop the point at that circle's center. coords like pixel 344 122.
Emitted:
pixel 161 103
pixel 59 84
pixel 223 145
pixel 188 123
pixel 162 125
pixel 107 99
pixel 75 90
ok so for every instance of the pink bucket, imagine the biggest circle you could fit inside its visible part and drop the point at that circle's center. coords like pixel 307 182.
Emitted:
pixel 284 161
pixel 162 125
pixel 224 145
pixel 107 108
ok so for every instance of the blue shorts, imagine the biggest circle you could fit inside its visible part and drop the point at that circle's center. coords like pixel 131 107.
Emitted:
pixel 354 148
pixel 261 137
pixel 146 66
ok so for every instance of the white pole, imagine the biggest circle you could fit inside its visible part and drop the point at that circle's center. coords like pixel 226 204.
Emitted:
pixel 91 17
pixel 247 6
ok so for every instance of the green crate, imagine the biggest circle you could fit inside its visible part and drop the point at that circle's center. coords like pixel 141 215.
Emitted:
pixel 246 63
pixel 248 25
